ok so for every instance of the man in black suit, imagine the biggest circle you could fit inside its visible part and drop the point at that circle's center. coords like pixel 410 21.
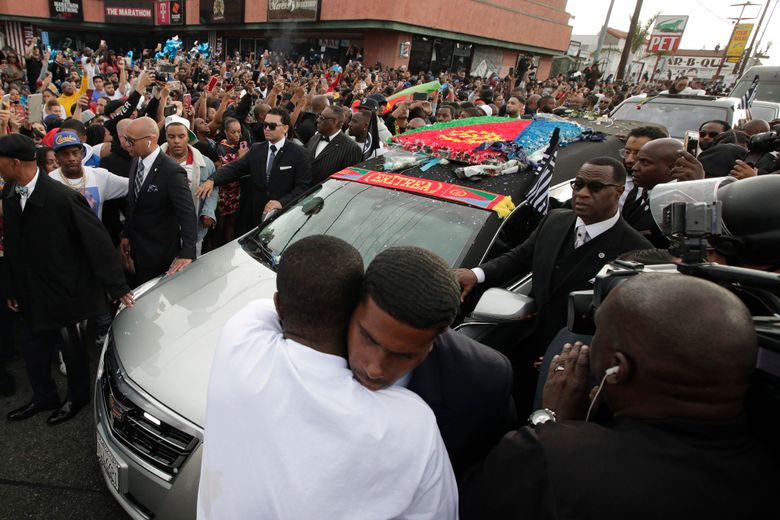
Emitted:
pixel 280 170
pixel 399 335
pixel 160 226
pixel 564 252
pixel 329 149
pixel 59 265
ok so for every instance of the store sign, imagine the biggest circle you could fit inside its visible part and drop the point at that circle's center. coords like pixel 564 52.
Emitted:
pixel 169 13
pixel 333 44
pixel 738 41
pixel 293 9
pixel 70 10
pixel 128 12
pixel 694 66
pixel 667 34
pixel 221 11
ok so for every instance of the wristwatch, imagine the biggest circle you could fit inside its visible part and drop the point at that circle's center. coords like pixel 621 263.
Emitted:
pixel 541 416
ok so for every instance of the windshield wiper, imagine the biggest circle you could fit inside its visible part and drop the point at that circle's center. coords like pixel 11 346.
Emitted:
pixel 263 248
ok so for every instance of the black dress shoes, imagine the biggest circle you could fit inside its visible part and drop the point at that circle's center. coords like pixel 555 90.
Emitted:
pixel 30 409
pixel 68 410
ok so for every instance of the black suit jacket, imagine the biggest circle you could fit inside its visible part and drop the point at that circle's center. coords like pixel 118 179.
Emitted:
pixel 161 222
pixel 290 175
pixel 637 214
pixel 59 259
pixel 557 267
pixel 469 388
pixel 337 155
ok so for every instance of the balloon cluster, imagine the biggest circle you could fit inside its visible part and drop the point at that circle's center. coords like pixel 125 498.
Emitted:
pixel 199 50
pixel 171 49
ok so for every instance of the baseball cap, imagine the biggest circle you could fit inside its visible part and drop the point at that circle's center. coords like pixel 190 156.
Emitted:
pixel 379 98
pixel 178 120
pixel 369 103
pixel 113 106
pixel 87 116
pixel 65 139
pixel 17 146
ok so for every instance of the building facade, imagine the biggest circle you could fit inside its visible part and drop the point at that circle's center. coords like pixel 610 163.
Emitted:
pixel 480 36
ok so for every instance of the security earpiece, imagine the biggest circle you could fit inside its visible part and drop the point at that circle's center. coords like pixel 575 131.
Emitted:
pixel 612 370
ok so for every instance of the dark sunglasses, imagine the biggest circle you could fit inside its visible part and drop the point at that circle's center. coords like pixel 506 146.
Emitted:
pixel 271 126
pixel 593 186
pixel 709 134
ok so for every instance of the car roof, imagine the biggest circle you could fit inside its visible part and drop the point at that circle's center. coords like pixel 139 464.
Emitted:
pixel 685 100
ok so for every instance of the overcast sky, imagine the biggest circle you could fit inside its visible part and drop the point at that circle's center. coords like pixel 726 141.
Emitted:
pixel 708 22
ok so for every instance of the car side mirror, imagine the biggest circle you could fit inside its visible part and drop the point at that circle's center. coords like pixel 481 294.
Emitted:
pixel 501 306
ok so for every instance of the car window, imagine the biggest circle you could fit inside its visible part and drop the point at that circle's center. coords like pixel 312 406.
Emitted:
pixel 765 113
pixel 372 218
pixel 676 117
pixel 767 90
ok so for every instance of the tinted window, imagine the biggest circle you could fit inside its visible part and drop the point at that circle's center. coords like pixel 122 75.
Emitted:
pixel 765 113
pixel 767 90
pixel 372 219
pixel 676 117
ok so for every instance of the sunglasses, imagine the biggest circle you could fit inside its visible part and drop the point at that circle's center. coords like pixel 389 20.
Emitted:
pixel 593 186
pixel 326 118
pixel 709 134
pixel 272 126
pixel 627 151
pixel 132 140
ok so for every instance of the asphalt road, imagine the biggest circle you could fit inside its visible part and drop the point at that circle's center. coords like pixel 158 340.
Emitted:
pixel 50 472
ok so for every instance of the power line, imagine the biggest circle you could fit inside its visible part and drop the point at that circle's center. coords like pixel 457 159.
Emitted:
pixel 713 13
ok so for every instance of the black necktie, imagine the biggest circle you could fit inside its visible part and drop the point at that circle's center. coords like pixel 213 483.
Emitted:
pixel 271 157
pixel 324 138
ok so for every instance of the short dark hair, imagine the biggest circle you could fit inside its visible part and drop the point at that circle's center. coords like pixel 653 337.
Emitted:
pixel 95 134
pixel 75 125
pixel 282 113
pixel 545 98
pixel 414 286
pixel 726 126
pixel 619 173
pixel 653 132
pixel 319 302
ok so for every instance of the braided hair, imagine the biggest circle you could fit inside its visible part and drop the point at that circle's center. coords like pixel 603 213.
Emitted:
pixel 414 286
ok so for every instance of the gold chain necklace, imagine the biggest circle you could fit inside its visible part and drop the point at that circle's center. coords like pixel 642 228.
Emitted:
pixel 79 186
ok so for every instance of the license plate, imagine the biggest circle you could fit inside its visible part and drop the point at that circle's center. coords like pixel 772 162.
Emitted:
pixel 108 462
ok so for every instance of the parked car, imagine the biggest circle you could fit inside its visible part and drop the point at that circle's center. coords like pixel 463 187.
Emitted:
pixel 153 374
pixel 678 113
pixel 766 110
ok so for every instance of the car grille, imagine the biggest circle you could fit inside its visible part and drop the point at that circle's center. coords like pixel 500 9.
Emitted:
pixel 162 445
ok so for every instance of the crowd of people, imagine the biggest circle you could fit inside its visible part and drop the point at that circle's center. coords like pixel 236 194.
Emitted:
pixel 129 170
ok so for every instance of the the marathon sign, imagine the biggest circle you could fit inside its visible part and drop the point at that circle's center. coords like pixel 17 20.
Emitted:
pixel 667 34
pixel 128 11
pixel 293 9
pixel 70 10
pixel 221 11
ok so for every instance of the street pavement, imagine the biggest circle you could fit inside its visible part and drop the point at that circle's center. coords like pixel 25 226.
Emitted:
pixel 51 472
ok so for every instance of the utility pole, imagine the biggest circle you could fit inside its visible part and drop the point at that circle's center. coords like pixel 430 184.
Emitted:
pixel 736 22
pixel 603 34
pixel 749 50
pixel 629 40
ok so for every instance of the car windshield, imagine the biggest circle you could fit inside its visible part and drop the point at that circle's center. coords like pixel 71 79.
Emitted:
pixel 767 90
pixel 765 113
pixel 371 219
pixel 676 117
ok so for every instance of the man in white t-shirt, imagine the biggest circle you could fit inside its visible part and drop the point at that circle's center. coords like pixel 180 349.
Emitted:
pixel 97 185
pixel 290 433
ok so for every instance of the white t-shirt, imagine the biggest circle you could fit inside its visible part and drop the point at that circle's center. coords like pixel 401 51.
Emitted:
pixel 290 434
pixel 97 186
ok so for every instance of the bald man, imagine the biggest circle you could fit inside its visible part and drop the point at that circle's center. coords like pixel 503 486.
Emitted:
pixel 160 225
pixel 756 126
pixel 680 353
pixel 658 161
pixel 306 123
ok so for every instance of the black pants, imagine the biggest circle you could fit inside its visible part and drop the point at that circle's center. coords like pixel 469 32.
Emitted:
pixel 38 349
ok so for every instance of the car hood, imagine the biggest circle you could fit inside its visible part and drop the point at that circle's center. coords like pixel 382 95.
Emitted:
pixel 166 342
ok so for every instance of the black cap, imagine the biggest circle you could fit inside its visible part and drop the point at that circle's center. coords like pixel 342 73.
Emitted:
pixel 17 146
pixel 369 104
pixel 379 98
pixel 112 106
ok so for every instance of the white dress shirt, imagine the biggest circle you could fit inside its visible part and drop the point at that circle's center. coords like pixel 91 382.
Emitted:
pixel 593 231
pixel 30 187
pixel 322 144
pixel 290 434
pixel 148 161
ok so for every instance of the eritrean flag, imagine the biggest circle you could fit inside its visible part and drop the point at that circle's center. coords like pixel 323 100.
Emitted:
pixel 406 95
pixel 459 139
